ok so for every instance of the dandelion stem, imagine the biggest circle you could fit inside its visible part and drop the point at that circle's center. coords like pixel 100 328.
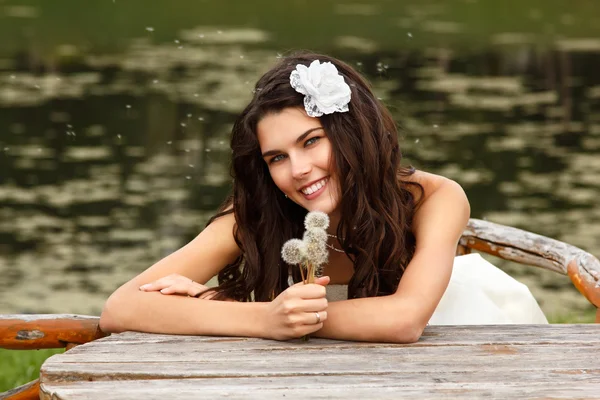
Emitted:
pixel 302 273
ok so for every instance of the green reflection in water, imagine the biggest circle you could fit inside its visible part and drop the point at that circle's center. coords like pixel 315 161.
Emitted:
pixel 116 146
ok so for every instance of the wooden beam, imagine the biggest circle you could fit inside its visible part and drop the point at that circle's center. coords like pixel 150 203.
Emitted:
pixel 28 391
pixel 532 249
pixel 28 332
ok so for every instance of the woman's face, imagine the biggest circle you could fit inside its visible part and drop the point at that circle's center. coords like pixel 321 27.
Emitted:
pixel 298 154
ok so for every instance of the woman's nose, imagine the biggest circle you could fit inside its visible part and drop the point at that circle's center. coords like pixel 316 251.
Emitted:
pixel 300 167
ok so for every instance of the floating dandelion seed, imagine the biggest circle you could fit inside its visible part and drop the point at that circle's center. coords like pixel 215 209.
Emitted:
pixel 155 81
pixel 183 124
pixel 200 119
pixel 188 177
pixel 169 142
pixel 316 219
pixel 409 34
pixel 207 150
pixel 176 41
pixel 435 126
pixel 150 29
pixel 119 136
pixel 293 251
pixel 416 140
pixel 128 106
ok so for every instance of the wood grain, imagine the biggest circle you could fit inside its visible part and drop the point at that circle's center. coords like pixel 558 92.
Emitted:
pixel 28 391
pixel 449 361
pixel 47 331
pixel 532 249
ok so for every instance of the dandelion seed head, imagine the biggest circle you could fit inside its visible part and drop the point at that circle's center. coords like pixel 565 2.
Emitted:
pixel 316 253
pixel 293 251
pixel 316 219
pixel 313 235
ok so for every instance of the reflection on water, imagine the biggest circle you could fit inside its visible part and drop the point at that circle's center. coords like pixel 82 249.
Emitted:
pixel 110 160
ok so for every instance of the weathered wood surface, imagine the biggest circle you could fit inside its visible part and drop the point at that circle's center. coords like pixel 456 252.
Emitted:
pixel 28 391
pixel 47 331
pixel 537 250
pixel 449 361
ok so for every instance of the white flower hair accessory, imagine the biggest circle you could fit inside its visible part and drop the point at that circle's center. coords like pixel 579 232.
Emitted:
pixel 324 89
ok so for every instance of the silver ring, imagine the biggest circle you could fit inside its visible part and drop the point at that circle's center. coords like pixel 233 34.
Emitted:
pixel 318 317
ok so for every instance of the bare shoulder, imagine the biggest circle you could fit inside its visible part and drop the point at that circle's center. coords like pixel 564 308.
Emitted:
pixel 221 234
pixel 429 182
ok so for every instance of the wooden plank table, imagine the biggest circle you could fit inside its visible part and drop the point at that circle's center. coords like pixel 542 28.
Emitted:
pixel 533 361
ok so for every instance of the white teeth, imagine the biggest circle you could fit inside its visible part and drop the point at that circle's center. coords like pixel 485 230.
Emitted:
pixel 314 187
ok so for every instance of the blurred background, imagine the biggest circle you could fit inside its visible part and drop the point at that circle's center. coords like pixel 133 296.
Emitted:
pixel 115 118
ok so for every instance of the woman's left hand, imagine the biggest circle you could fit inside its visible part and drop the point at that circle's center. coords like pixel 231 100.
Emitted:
pixel 178 285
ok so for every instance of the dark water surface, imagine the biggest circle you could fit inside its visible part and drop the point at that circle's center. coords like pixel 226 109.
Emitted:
pixel 115 118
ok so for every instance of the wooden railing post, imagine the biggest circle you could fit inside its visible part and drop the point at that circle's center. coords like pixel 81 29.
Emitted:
pixel 33 332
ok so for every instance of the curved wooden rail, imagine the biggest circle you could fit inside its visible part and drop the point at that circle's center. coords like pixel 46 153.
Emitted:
pixel 529 248
pixel 32 332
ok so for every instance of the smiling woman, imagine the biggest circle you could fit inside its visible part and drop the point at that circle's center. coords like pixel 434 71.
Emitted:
pixel 315 137
pixel 301 164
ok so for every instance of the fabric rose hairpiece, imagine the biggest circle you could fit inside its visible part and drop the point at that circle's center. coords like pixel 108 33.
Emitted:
pixel 324 89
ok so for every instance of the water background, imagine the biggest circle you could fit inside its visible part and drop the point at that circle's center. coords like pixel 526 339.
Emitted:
pixel 115 118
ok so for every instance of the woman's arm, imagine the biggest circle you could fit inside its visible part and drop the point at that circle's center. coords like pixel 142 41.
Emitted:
pixel 290 315
pixel 129 308
pixel 401 317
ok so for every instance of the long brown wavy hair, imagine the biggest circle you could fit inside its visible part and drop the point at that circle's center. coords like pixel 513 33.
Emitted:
pixel 376 206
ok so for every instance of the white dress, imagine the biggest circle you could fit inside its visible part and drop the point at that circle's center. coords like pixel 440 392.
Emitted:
pixel 478 294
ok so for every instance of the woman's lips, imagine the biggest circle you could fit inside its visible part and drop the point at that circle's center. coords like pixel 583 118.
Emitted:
pixel 316 194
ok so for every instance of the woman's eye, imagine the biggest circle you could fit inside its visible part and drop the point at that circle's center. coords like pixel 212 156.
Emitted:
pixel 276 158
pixel 311 141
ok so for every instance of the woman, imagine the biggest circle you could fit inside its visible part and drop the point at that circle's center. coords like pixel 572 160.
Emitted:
pixel 314 137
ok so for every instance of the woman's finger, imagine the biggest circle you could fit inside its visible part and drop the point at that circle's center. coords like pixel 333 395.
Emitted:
pixel 322 280
pixel 310 291
pixel 166 281
pixel 155 286
pixel 312 305
pixel 315 317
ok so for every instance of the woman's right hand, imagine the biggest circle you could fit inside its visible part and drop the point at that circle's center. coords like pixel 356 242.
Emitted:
pixel 175 284
pixel 293 313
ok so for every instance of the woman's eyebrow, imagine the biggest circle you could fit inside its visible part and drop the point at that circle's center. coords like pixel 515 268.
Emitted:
pixel 298 140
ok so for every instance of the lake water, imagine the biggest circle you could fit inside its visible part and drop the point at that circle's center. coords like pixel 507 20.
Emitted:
pixel 115 119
